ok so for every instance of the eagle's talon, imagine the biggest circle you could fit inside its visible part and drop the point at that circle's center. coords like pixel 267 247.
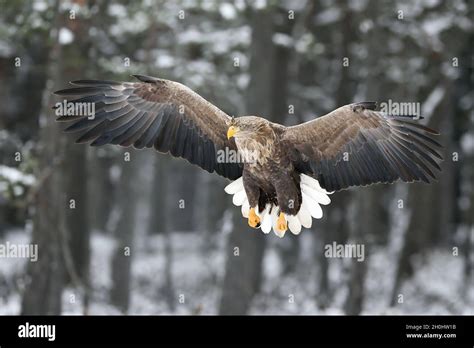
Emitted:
pixel 254 220
pixel 282 225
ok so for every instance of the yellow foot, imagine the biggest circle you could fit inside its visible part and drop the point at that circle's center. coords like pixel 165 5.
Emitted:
pixel 281 223
pixel 254 220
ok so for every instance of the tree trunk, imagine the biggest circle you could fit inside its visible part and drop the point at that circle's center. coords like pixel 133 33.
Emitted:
pixel 245 248
pixel 158 221
pixel 100 188
pixel 45 277
pixel 362 228
pixel 243 268
pixel 289 249
pixel 334 226
pixel 124 234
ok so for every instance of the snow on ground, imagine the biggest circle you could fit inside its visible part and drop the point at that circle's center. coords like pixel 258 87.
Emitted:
pixel 11 270
pixel 436 287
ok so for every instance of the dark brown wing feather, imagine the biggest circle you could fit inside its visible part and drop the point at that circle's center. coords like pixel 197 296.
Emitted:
pixel 357 146
pixel 155 113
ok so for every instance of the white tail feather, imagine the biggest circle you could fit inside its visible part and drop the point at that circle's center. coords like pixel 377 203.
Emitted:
pixel 245 208
pixel 294 224
pixel 305 217
pixel 305 179
pixel 235 186
pixel 267 220
pixel 239 198
pixel 313 195
pixel 318 196
pixel 312 206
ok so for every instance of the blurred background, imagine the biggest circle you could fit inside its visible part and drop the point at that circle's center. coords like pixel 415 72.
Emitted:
pixel 137 232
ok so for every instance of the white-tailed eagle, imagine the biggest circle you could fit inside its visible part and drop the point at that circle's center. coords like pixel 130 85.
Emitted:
pixel 281 175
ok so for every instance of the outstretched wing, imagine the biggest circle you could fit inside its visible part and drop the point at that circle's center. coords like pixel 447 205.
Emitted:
pixel 155 113
pixel 357 146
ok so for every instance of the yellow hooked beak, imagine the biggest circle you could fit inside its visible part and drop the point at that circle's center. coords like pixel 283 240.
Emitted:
pixel 232 131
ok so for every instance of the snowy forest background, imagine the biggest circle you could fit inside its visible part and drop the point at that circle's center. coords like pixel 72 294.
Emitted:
pixel 156 235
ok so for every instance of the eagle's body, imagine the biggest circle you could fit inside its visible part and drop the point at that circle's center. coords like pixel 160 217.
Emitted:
pixel 268 170
pixel 285 173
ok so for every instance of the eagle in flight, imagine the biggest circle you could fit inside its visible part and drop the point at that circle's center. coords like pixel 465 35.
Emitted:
pixel 281 175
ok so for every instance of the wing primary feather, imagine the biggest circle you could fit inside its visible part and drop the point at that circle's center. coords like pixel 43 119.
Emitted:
pixel 414 158
pixel 92 133
pixel 121 134
pixel 83 91
pixel 416 125
pixel 144 114
pixel 95 83
pixel 421 136
pixel 419 151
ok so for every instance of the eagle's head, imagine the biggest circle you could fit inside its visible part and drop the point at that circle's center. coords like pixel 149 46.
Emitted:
pixel 254 138
pixel 249 127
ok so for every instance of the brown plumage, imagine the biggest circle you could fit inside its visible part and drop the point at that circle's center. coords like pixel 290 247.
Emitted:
pixel 155 113
pixel 352 146
pixel 378 148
